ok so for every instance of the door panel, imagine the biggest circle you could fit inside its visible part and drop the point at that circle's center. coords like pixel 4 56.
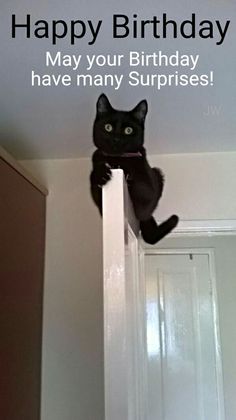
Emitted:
pixel 123 311
pixel 181 346
pixel 22 237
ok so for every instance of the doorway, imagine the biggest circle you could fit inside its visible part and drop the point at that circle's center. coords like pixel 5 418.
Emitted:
pixel 163 356
pixel 183 363
pixel 220 238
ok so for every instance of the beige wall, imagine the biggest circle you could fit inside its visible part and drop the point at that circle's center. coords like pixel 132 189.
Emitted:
pixel 72 387
pixel 197 187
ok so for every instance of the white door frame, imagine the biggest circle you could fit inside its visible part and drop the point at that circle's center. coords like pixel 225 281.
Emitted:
pixel 205 227
pixel 193 228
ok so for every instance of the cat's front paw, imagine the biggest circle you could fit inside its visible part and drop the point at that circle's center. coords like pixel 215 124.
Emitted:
pixel 102 174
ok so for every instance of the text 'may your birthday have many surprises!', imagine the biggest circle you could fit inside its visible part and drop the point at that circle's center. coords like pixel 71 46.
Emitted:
pixel 96 65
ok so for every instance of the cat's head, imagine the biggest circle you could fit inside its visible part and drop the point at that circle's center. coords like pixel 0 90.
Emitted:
pixel 117 132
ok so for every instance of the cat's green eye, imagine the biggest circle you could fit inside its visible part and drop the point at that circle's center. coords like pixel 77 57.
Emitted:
pixel 108 128
pixel 128 130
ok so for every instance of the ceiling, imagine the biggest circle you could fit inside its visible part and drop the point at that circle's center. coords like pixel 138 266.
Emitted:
pixel 56 122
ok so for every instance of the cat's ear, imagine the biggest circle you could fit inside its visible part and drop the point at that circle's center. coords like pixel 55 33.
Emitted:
pixel 103 104
pixel 140 111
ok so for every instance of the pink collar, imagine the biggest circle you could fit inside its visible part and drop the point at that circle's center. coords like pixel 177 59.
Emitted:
pixel 128 154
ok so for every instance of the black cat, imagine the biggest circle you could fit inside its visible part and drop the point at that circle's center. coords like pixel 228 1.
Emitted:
pixel 119 138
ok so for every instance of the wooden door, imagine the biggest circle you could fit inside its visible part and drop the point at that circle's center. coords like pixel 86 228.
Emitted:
pixel 22 236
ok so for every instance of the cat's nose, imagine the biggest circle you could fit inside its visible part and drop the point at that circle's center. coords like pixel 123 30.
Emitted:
pixel 116 140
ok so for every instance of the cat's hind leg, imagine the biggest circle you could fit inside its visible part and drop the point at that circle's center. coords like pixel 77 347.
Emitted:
pixel 152 232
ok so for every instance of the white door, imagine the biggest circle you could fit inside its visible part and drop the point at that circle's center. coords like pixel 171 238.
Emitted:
pixel 123 306
pixel 184 372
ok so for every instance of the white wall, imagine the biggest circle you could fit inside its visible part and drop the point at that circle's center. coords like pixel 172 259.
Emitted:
pixel 197 187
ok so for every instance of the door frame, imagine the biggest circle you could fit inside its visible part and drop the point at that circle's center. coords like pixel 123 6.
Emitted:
pixel 193 228
pixel 205 227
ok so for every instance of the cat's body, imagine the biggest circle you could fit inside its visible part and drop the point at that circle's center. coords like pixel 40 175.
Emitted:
pixel 144 183
pixel 119 137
